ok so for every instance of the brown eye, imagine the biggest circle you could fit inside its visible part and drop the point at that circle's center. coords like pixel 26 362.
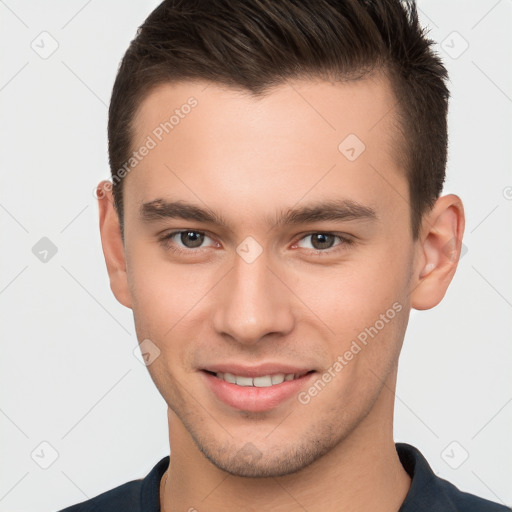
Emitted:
pixel 191 239
pixel 322 240
pixel 186 241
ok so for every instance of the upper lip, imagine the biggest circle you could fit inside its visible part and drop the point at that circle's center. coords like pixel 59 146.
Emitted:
pixel 256 371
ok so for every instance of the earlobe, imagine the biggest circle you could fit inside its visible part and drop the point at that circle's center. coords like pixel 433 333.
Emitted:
pixel 112 243
pixel 439 249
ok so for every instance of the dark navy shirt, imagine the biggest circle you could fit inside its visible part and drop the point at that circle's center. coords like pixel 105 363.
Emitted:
pixel 428 492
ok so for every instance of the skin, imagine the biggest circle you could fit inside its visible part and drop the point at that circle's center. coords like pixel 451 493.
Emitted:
pixel 249 159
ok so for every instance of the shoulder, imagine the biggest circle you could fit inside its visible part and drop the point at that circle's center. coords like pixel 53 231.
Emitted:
pixel 126 497
pixel 469 502
pixel 428 492
pixel 135 496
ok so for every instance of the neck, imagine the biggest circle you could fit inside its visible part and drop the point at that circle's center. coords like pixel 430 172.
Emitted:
pixel 363 472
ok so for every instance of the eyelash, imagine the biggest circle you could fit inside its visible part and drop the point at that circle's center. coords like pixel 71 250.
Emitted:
pixel 166 241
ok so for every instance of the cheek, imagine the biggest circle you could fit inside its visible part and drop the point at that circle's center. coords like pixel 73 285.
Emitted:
pixel 351 296
pixel 163 292
pixel 363 303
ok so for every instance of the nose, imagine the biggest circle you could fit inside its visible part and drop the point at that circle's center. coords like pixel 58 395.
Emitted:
pixel 253 303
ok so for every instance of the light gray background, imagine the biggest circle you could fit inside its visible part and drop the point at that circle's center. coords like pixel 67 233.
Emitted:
pixel 68 373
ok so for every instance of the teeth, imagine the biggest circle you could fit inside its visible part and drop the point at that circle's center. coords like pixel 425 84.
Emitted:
pixel 264 381
pixel 243 381
pixel 277 379
pixel 228 377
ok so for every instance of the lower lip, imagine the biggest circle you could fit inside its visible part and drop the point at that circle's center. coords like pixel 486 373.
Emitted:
pixel 254 399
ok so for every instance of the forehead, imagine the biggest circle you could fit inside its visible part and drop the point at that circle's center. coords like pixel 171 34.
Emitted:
pixel 210 143
pixel 354 106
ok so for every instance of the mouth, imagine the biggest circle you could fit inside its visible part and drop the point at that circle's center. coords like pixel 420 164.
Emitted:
pixel 261 381
pixel 256 390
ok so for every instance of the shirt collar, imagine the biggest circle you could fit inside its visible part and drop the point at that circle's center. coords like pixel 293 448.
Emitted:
pixel 427 492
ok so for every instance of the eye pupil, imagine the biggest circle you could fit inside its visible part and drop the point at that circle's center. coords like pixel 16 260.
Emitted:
pixel 195 237
pixel 322 240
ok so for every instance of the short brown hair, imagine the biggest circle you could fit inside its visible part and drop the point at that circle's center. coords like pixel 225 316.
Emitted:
pixel 254 45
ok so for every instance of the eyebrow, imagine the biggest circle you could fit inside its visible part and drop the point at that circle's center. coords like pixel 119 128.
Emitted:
pixel 330 210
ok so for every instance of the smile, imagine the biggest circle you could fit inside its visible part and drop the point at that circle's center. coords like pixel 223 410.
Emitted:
pixel 263 381
pixel 261 391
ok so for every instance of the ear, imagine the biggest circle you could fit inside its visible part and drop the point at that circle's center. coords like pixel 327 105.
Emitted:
pixel 112 243
pixel 438 252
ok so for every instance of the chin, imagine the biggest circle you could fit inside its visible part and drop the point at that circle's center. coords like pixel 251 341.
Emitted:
pixel 251 462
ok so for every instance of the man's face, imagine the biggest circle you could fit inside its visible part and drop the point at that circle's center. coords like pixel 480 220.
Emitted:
pixel 266 293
